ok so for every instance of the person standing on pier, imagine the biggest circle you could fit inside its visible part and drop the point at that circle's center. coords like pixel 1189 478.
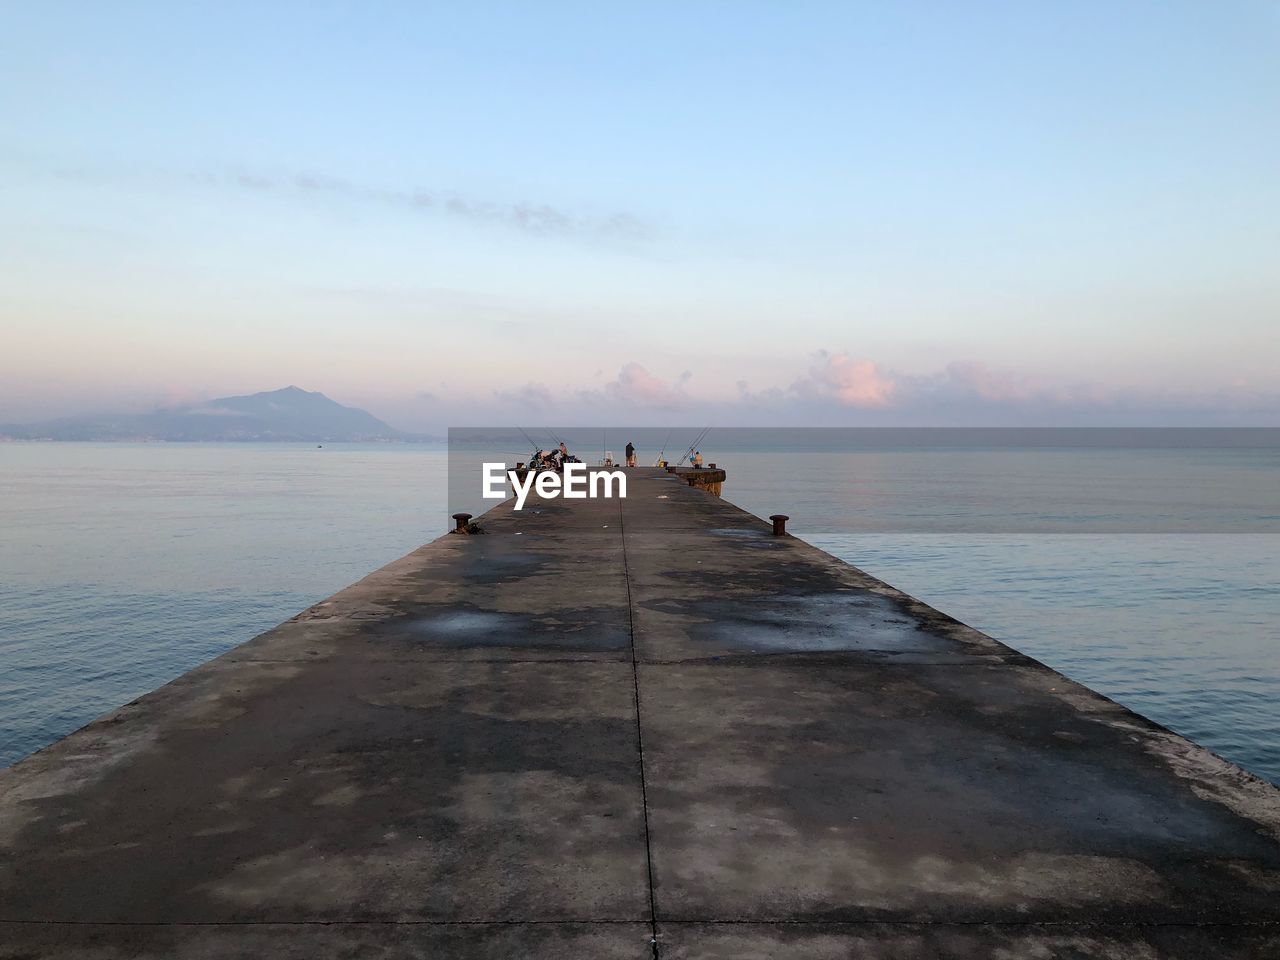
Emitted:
pixel 631 454
pixel 697 459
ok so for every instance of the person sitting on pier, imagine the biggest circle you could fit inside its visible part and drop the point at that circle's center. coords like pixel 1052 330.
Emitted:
pixel 631 454
pixel 697 459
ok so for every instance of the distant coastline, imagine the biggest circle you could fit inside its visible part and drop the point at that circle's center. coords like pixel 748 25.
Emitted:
pixel 288 415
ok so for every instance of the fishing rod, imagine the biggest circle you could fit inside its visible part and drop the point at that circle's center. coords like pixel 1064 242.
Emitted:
pixel 536 447
pixel 694 446
pixel 663 451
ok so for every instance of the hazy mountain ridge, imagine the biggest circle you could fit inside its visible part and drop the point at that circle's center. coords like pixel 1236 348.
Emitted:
pixel 287 414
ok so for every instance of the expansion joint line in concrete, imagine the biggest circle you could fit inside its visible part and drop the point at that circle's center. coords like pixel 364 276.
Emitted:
pixel 635 682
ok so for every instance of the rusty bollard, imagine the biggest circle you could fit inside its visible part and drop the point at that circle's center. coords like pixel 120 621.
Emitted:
pixel 779 523
pixel 461 520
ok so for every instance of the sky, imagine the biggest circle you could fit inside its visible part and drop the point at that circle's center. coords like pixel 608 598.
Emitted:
pixel 941 213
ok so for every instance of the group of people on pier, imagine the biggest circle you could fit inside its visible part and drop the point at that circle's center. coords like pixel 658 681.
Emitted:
pixel 559 456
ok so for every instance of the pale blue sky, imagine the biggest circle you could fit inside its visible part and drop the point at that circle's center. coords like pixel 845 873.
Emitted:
pixel 845 213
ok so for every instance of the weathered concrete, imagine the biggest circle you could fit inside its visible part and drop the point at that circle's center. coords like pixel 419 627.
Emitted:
pixel 604 720
pixel 707 478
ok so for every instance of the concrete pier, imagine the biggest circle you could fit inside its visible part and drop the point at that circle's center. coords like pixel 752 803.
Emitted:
pixel 709 478
pixel 619 729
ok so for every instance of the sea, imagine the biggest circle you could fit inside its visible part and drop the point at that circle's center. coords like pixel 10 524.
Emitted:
pixel 1144 563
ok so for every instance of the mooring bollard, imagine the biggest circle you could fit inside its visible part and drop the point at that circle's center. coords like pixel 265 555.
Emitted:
pixel 461 519
pixel 779 523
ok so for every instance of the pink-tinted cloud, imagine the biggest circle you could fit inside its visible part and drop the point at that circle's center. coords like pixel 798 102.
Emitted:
pixel 839 389
pixel 849 381
pixel 843 380
pixel 838 386
pixel 636 386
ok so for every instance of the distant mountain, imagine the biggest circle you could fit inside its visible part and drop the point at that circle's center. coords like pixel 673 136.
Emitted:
pixel 288 414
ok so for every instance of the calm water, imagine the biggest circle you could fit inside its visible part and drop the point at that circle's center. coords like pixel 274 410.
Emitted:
pixel 122 566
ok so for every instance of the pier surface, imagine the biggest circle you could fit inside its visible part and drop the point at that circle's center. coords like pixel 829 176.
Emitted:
pixel 603 722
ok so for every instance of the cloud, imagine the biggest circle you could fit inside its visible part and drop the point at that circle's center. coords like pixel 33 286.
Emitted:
pixel 637 387
pixel 173 395
pixel 844 390
pixel 532 396
pixel 840 380
pixel 976 379
pixel 835 390
pixel 635 391
pixel 534 218
pixel 848 381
